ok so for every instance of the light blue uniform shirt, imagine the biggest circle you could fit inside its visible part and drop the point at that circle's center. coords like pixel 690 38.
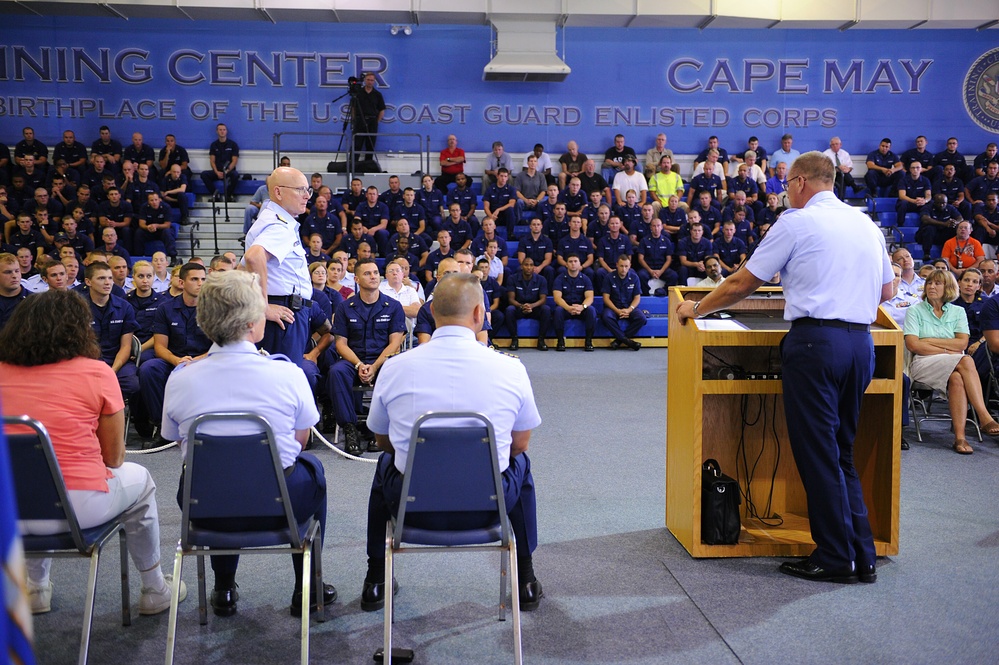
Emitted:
pixel 452 372
pixel 287 264
pixel 235 377
pixel 898 306
pixel 831 258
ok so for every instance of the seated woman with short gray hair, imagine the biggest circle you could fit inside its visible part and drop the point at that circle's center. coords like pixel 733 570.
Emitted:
pixel 231 310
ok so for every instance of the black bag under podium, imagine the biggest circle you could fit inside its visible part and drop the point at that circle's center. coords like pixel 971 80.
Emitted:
pixel 720 499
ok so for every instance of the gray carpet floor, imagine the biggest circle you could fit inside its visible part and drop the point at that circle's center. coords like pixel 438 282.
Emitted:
pixel 619 588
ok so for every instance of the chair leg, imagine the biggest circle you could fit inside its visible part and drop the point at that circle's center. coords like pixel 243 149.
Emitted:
pixel 503 579
pixel 317 554
pixel 88 608
pixel 306 590
pixel 389 595
pixel 518 648
pixel 178 567
pixel 126 613
pixel 973 419
pixel 915 416
pixel 202 595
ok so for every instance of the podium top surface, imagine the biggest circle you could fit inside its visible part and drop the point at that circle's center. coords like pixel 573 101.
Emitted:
pixel 761 311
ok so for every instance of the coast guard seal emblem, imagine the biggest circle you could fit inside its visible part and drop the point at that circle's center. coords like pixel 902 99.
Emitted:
pixel 981 91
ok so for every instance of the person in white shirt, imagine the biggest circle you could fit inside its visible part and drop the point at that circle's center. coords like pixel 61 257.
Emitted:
pixel 161 272
pixel 629 178
pixel 844 166
pixel 544 162
pixel 712 266
pixel 911 284
pixel 899 303
pixel 394 288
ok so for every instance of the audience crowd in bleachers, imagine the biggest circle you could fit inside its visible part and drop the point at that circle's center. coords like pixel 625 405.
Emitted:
pixel 578 237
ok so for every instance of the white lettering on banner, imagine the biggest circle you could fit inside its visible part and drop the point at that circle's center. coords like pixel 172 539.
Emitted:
pixel 689 75
pixel 524 114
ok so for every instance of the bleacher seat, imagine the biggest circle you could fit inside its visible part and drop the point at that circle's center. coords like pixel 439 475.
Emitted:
pixel 656 310
pixel 881 204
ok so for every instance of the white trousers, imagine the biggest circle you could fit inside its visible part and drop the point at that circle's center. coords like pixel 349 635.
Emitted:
pixel 131 494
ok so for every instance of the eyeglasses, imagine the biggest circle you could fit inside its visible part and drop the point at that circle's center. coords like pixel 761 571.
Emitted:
pixel 799 177
pixel 306 191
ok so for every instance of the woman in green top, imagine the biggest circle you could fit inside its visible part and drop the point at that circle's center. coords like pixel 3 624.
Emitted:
pixel 936 334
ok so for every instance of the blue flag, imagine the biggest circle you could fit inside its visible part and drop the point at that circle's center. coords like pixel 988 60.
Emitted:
pixel 15 624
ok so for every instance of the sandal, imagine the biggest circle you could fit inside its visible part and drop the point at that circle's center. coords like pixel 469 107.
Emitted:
pixel 961 447
pixel 991 428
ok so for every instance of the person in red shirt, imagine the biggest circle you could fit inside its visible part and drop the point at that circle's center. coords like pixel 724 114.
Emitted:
pixel 452 163
pixel 962 251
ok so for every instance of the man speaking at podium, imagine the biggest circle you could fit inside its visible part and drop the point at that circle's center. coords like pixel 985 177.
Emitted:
pixel 827 355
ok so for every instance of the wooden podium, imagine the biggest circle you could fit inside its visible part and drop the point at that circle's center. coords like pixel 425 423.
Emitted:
pixel 721 376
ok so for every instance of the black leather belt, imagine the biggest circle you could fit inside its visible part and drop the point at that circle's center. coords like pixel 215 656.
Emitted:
pixel 831 323
pixel 286 301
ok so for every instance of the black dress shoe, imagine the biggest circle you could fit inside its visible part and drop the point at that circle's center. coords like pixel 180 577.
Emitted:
pixel 542 344
pixel 561 344
pixel 352 440
pixel 905 444
pixel 589 345
pixel 616 344
pixel 633 345
pixel 224 601
pixel 329 597
pixel 373 447
pixel 530 595
pixel 867 574
pixel 373 595
pixel 807 570
pixel 514 344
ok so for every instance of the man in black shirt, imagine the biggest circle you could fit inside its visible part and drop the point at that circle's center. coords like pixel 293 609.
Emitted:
pixel 369 107
pixel 223 155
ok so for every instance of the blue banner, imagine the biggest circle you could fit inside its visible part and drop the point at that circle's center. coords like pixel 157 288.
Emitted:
pixel 181 77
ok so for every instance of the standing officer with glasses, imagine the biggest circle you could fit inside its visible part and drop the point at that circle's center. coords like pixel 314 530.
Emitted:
pixel 274 252
pixel 827 355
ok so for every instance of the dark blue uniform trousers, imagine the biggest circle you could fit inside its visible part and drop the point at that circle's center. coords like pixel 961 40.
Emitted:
pixel 588 317
pixel 307 493
pixel 636 320
pixel 153 377
pixel 340 385
pixel 518 494
pixel 291 341
pixel 826 371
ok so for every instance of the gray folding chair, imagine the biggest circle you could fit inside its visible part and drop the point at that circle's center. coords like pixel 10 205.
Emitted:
pixel 452 500
pixel 239 477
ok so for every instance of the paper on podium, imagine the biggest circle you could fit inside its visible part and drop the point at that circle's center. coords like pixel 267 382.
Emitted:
pixel 719 324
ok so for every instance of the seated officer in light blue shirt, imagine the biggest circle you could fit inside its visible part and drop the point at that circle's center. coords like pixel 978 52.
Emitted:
pixel 450 359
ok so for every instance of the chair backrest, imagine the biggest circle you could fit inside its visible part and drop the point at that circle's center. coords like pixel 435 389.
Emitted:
pixel 136 355
pixel 235 476
pixel 452 469
pixel 38 485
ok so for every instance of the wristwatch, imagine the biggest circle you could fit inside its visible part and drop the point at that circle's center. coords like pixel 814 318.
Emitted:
pixel 697 306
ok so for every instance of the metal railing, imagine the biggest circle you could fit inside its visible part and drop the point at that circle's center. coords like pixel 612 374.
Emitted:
pixel 409 143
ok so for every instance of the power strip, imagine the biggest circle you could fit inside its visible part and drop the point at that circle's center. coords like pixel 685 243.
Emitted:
pixel 763 376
